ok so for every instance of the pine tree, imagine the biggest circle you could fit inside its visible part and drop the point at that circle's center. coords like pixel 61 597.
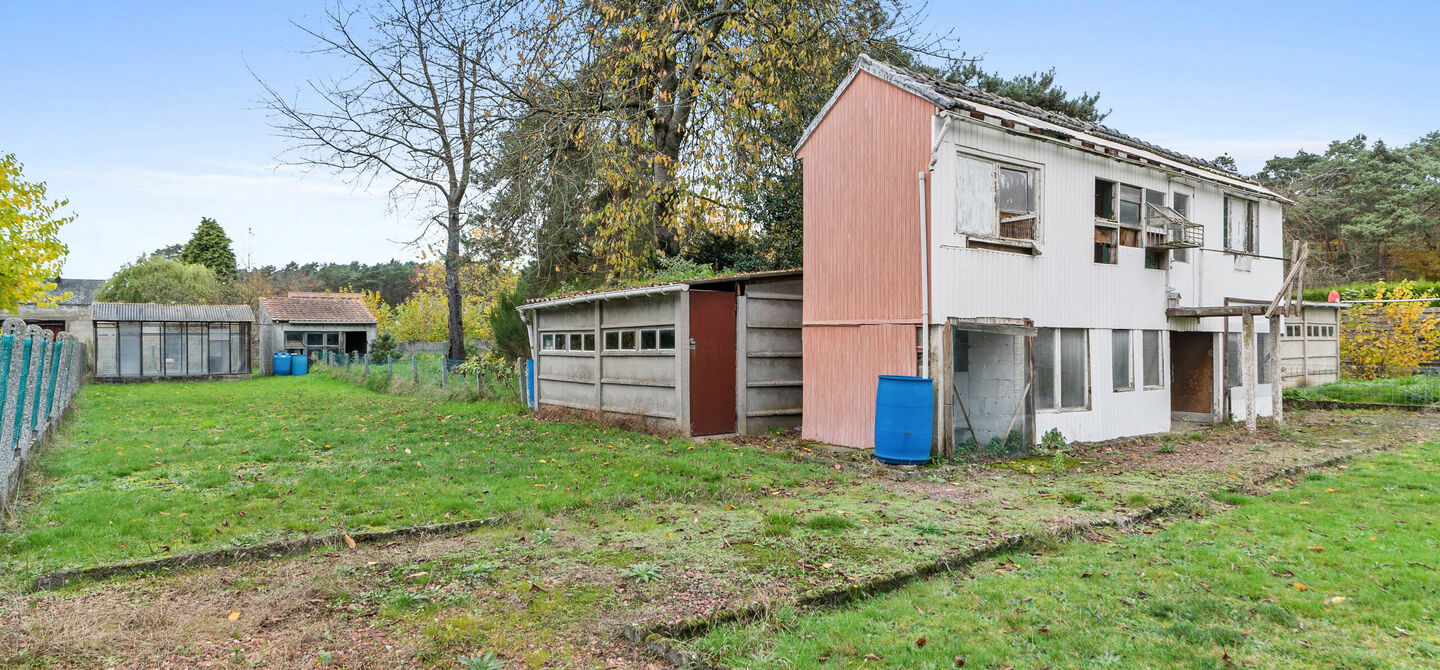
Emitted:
pixel 210 247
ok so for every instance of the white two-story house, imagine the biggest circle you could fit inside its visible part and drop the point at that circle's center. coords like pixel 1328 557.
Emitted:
pixel 1045 272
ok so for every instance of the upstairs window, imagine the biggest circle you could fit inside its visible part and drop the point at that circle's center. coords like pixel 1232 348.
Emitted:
pixel 1015 202
pixel 1242 226
pixel 996 200
pixel 1128 210
pixel 1182 206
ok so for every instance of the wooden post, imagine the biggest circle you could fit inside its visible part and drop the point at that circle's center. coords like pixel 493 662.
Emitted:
pixel 444 372
pixel 1247 367
pixel 415 369
pixel 1277 385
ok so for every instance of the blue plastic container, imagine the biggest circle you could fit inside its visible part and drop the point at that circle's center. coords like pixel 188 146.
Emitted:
pixel 299 364
pixel 280 363
pixel 530 381
pixel 904 407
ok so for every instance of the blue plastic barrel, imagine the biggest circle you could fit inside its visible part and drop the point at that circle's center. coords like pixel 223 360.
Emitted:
pixel 280 363
pixel 530 381
pixel 904 407
pixel 299 364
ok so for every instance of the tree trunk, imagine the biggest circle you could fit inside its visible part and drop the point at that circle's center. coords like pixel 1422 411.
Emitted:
pixel 456 324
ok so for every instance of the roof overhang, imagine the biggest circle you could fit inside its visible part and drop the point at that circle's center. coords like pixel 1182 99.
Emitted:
pixel 1047 131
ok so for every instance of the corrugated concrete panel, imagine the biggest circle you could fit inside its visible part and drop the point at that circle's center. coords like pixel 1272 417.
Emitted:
pixel 841 368
pixel 769 370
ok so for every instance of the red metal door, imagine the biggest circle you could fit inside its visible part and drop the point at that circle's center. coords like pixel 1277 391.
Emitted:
pixel 712 362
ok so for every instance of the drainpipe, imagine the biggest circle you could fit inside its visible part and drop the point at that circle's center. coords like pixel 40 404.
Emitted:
pixel 924 281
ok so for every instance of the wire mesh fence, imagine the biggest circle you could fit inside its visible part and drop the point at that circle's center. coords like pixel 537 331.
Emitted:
pixel 39 373
pixel 1377 385
pixel 477 378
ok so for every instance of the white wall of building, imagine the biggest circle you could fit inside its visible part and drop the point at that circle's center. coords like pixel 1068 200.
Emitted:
pixel 1063 286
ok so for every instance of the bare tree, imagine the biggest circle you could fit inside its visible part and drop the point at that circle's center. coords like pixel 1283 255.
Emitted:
pixel 423 101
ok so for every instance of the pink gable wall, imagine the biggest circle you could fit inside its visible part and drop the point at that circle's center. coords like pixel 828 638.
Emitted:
pixel 862 254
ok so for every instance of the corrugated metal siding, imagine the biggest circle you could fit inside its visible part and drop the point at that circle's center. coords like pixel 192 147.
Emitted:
pixel 862 210
pixel 862 256
pixel 841 365
pixel 110 311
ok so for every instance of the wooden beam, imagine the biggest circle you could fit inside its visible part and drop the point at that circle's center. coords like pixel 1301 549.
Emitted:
pixel 1229 310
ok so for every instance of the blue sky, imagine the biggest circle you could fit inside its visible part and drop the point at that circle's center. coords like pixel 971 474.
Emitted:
pixel 143 114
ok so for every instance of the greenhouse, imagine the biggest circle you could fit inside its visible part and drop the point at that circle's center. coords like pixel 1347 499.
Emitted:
pixel 136 342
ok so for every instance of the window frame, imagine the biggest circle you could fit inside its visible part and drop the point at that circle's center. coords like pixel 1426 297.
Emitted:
pixel 1058 375
pixel 1159 360
pixel 1252 224
pixel 995 230
pixel 1118 335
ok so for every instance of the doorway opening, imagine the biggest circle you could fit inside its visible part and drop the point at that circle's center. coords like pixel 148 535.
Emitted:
pixel 989 394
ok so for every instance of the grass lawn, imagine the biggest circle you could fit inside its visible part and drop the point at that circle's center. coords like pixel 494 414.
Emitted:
pixel 605 527
pixel 147 470
pixel 1415 390
pixel 1339 571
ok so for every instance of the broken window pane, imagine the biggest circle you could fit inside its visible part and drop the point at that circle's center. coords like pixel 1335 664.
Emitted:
pixel 1104 199
pixel 1045 369
pixel 1182 204
pixel 1150 348
pixel 960 349
pixel 1120 360
pixel 1155 259
pixel 1156 198
pixel 1105 238
pixel 1072 368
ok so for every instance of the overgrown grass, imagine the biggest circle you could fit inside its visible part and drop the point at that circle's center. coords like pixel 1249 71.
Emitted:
pixel 1337 572
pixel 1415 391
pixel 158 469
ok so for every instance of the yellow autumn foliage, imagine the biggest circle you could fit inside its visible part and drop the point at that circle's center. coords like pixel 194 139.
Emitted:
pixel 1379 338
pixel 423 317
pixel 31 252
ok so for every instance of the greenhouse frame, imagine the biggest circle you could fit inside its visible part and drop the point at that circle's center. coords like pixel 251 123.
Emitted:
pixel 147 342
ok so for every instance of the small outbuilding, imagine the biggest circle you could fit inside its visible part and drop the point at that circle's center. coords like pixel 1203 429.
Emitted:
pixel 711 356
pixel 313 324
pixel 70 312
pixel 147 342
pixel 1310 345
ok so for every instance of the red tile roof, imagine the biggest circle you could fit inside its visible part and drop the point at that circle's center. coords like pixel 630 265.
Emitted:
pixel 316 310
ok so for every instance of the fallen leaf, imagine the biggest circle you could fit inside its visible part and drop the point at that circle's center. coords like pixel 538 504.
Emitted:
pixel 1300 587
pixel 920 642
pixel 1316 548
pixel 349 541
pixel 1335 601
pixel 234 614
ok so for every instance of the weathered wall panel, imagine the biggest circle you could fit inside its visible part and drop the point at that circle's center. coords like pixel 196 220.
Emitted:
pixel 862 266
pixel 842 364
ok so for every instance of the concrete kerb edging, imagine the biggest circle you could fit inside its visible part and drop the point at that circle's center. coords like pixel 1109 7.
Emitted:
pixel 277 549
pixel 662 641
